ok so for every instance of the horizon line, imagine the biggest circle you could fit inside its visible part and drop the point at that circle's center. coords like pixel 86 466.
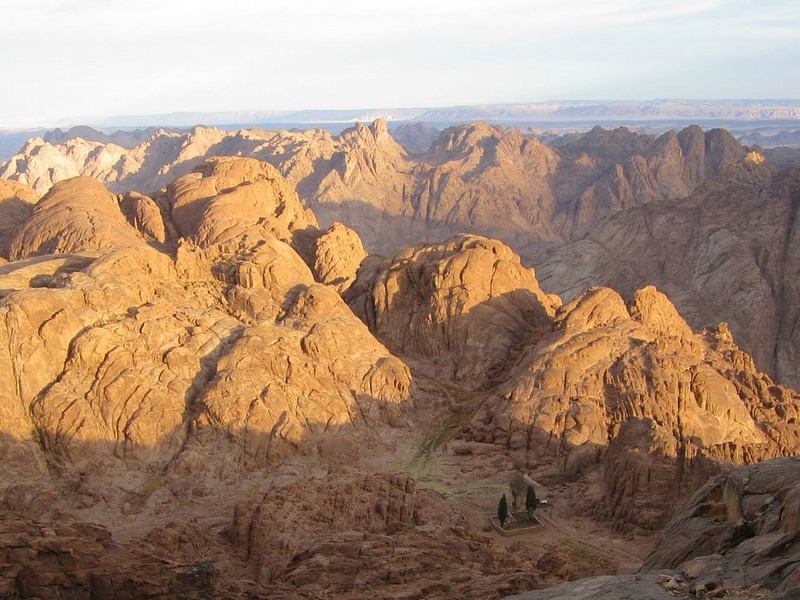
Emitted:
pixel 263 115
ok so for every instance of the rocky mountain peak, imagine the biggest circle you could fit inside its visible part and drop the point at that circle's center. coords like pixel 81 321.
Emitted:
pixel 76 215
pixel 619 386
pixel 614 145
pixel 464 306
pixel 416 137
pixel 598 307
pixel 228 198
pixel 379 128
pixel 654 310
pixel 463 139
pixel 374 135
pixel 721 149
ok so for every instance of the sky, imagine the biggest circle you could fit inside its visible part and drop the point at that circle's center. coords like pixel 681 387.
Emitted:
pixel 74 61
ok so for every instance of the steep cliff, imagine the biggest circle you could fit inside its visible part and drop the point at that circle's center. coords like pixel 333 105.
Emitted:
pixel 726 253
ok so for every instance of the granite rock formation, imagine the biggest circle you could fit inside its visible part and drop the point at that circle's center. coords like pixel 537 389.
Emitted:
pixel 547 196
pixel 739 530
pixel 727 252
pixel 236 399
pixel 145 216
pixel 632 387
pixel 234 198
pixel 127 353
pixel 463 308
pixel 338 254
pixel 468 175
pixel 76 215
pixel 735 538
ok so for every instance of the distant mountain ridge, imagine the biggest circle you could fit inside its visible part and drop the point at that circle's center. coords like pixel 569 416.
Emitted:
pixel 595 209
pixel 549 111
pixel 771 122
pixel 555 110
pixel 467 176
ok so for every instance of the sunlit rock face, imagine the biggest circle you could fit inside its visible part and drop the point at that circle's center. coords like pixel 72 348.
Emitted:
pixel 692 212
pixel 338 255
pixel 463 307
pixel 634 389
pixel 233 198
pixel 77 215
pixel 130 353
pixel 138 381
pixel 596 383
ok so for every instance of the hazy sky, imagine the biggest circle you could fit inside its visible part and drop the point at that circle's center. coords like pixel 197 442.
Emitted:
pixel 67 61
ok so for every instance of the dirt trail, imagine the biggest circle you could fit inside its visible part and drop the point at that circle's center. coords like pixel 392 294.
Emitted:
pixel 473 481
pixel 563 526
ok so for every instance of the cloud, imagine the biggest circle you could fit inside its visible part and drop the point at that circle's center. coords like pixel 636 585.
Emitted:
pixel 117 56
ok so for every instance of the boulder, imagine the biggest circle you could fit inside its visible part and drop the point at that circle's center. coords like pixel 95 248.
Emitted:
pixel 338 253
pixel 225 199
pixel 76 215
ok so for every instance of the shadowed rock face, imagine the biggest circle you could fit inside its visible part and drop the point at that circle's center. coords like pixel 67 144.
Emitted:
pixel 737 536
pixel 738 530
pixel 74 559
pixel 145 216
pixel 630 587
pixel 16 206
